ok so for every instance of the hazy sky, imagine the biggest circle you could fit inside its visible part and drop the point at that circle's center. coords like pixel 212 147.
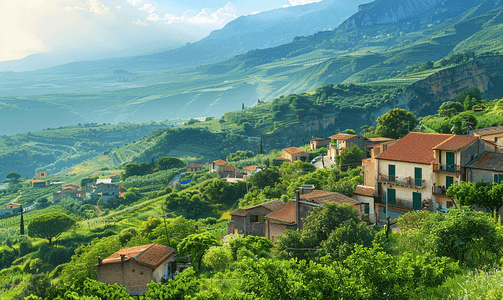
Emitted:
pixel 31 26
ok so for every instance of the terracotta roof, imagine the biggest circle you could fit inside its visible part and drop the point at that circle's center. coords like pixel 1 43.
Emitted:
pixel 229 168
pixel 381 139
pixel 319 139
pixel 342 136
pixel 293 150
pixel 151 255
pixel 193 166
pixel 280 158
pixel 456 142
pixel 285 214
pixel 252 168
pixel 487 131
pixel 320 197
pixel 37 181
pixel 14 204
pixel 415 147
pixel 220 162
pixel 488 161
pixel 270 205
pixel 365 190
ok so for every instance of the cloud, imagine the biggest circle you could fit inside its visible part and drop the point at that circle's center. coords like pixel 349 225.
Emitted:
pixel 118 7
pixel 301 2
pixel 205 17
pixel 149 8
pixel 134 2
pixel 97 7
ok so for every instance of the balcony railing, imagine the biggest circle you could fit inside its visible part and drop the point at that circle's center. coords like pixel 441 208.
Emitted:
pixel 439 190
pixel 407 182
pixel 452 169
pixel 398 202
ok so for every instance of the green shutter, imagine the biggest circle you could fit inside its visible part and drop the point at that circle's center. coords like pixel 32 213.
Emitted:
pixel 252 218
pixel 391 172
pixel 416 201
pixel 448 181
pixel 418 174
pixel 391 196
pixel 261 219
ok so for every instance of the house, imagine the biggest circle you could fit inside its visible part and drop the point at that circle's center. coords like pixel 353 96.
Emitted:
pixel 13 206
pixel 106 189
pixel 135 267
pixel 490 134
pixel 41 174
pixel 365 194
pixel 250 221
pixel 193 168
pixel 250 170
pixel 293 154
pixel 279 220
pixel 38 183
pixel 341 141
pixel 368 163
pixel 228 171
pixel 487 167
pixel 67 190
pixel 10 208
pixel 217 166
pixel 318 143
pixel 416 171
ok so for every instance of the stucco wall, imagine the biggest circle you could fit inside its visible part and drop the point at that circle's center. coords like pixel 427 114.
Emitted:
pixel 475 175
pixel 130 274
pixel 159 273
pixel 273 229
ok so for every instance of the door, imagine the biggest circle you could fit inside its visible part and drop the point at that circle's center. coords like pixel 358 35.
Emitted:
pixel 448 181
pixel 391 172
pixel 391 196
pixel 418 175
pixel 450 162
pixel 416 201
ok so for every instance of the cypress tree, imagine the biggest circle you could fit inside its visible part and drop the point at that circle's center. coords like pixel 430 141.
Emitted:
pixel 261 151
pixel 22 221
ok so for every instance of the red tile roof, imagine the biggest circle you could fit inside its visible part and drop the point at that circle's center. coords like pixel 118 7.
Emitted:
pixel 342 136
pixel 270 205
pixel 364 191
pixel 151 255
pixel 229 168
pixel 381 139
pixel 456 142
pixel 487 131
pixel 252 168
pixel 220 162
pixel 285 214
pixel 37 181
pixel 415 147
pixel 320 197
pixel 293 150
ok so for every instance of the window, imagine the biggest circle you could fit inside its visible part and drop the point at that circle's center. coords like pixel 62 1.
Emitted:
pixel 256 219
pixel 391 172
pixel 498 178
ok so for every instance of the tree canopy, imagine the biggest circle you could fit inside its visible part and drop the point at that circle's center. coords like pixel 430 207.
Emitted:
pixel 350 155
pixel 49 226
pixel 482 194
pixel 13 176
pixel 396 123
pixel 196 245
pixel 168 162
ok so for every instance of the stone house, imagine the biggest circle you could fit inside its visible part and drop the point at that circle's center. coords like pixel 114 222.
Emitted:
pixel 12 206
pixel 341 141
pixel 487 167
pixel 250 170
pixel 217 166
pixel 106 189
pixel 38 183
pixel 365 195
pixel 490 134
pixel 116 178
pixel 135 267
pixel 228 171
pixel 279 220
pixel 67 190
pixel 193 168
pixel 318 143
pixel 293 154
pixel 41 174
pixel 250 221
pixel 416 171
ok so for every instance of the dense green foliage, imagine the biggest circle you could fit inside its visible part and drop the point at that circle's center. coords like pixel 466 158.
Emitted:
pixel 49 226
pixel 482 194
pixel 396 123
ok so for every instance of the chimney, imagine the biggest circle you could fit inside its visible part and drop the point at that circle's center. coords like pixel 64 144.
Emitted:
pixel 100 261
pixel 297 209
pixel 123 258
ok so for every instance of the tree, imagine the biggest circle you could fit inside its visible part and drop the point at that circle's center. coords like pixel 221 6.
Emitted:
pixel 349 131
pixel 13 176
pixel 21 223
pixel 49 226
pixel 461 123
pixel 396 123
pixel 261 150
pixel 351 155
pixel 426 66
pixel 482 194
pixel 471 93
pixel 217 258
pixel 167 162
pixel 85 181
pixel 196 245
pixel 267 177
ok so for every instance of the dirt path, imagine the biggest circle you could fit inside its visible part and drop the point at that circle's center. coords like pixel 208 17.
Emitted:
pixel 16 198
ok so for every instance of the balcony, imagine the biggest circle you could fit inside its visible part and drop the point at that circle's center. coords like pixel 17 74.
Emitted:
pixel 400 203
pixel 439 191
pixel 405 182
pixel 449 169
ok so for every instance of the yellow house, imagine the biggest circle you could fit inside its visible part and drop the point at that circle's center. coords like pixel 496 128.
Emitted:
pixel 415 173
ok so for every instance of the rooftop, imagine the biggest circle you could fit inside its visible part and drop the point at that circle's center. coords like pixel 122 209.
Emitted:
pixel 381 139
pixel 193 166
pixel 285 214
pixel 456 142
pixel 229 168
pixel 487 131
pixel 363 190
pixel 488 161
pixel 293 150
pixel 104 181
pixel 151 255
pixel 342 136
pixel 37 181
pixel 220 162
pixel 270 205
pixel 417 147
pixel 252 168
pixel 320 197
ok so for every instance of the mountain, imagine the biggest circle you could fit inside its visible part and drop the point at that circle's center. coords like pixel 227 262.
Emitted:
pixel 349 54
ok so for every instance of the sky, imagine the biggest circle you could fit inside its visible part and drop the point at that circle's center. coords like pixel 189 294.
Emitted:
pixel 33 26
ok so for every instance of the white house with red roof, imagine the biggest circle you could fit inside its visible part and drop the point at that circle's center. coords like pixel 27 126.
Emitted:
pixel 416 171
